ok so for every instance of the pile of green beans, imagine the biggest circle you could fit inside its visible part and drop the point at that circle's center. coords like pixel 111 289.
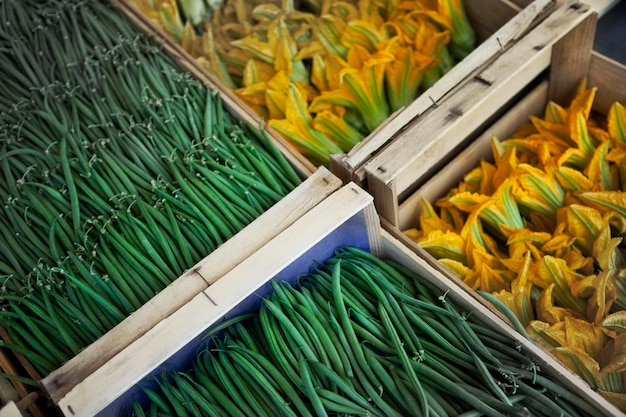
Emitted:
pixel 119 172
pixel 359 336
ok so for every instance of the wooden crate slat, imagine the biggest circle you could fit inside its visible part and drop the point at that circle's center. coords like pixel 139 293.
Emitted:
pixel 507 24
pixel 307 195
pixel 102 387
pixel 415 154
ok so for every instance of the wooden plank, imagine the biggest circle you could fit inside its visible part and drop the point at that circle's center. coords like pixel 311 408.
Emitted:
pixel 28 395
pixel 609 76
pixel 415 154
pixel 284 213
pixel 170 335
pixel 571 56
pixel 511 25
pixel 10 410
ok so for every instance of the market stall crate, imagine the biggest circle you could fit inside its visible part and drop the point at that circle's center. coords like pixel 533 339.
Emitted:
pixel 69 116
pixel 352 165
pixel 561 44
pixel 346 218
pixel 455 145
pixel 193 282
pixel 500 33
pixel 497 25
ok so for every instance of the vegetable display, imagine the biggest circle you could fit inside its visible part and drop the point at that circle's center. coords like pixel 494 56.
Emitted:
pixel 540 232
pixel 359 336
pixel 119 172
pixel 323 73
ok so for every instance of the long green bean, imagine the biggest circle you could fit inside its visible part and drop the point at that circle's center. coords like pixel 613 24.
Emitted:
pixel 112 170
pixel 401 363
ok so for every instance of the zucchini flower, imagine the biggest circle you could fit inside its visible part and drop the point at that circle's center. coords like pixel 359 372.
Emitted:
pixel 616 125
pixel 298 128
pixel 361 87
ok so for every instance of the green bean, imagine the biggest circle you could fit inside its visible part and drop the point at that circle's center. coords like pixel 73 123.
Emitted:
pixel 173 397
pixel 69 179
pixel 291 330
pixel 392 385
pixel 80 307
pixel 285 359
pixel 492 385
pixel 264 386
pixel 38 336
pixel 415 383
pixel 112 310
pixel 129 299
pixel 217 395
pixel 335 403
pixel 194 396
pixel 274 375
pixel 512 317
pixel 41 360
pixel 233 379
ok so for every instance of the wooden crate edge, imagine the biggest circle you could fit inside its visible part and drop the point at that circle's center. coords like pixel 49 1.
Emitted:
pixel 280 216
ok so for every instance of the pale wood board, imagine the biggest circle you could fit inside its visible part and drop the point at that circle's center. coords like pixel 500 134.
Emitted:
pixel 571 58
pixel 128 367
pixel 277 218
pixel 416 152
pixel 10 410
pixel 503 26
pixel 231 102
pixel 457 291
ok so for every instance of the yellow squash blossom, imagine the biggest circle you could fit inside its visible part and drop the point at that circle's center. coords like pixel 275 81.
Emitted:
pixel 563 231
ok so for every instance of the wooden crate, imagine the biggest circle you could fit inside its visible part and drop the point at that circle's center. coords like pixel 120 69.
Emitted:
pixel 346 217
pixel 317 184
pixel 351 166
pixel 605 74
pixel 17 396
pixel 206 272
pixel 561 45
pixel 103 391
pixel 498 25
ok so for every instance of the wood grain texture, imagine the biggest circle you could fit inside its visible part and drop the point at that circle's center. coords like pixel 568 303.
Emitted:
pixel 609 77
pixel 571 57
